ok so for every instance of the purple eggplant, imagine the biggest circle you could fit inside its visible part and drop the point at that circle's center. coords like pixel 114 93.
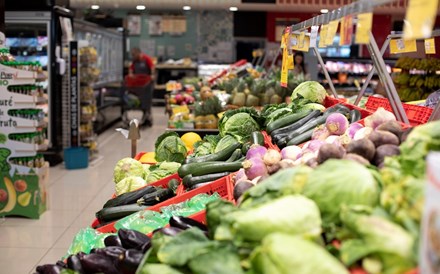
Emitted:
pixel 49 269
pixel 169 231
pixel 97 263
pixel 132 238
pixel 129 261
pixel 74 263
pixel 185 223
pixel 112 240
pixel 112 252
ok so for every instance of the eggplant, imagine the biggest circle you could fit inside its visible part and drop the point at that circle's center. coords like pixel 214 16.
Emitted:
pixel 132 238
pixel 185 223
pixel 169 231
pixel 98 263
pixel 112 252
pixel 74 263
pixel 49 269
pixel 112 240
pixel 61 263
pixel 129 261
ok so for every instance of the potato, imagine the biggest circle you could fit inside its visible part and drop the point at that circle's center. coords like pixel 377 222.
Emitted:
pixel 357 158
pixel 381 137
pixel 363 147
pixel 330 151
pixel 385 151
pixel 391 126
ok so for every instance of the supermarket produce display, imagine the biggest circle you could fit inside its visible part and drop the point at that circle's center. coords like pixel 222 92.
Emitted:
pixel 345 198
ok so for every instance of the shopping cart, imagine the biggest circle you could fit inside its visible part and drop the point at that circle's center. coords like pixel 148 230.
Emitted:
pixel 137 98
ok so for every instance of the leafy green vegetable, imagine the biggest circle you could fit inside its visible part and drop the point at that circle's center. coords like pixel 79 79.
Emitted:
pixel 310 90
pixel 314 106
pixel 127 167
pixel 128 184
pixel 158 268
pixel 225 142
pixel 222 260
pixel 206 146
pixel 169 147
pixel 293 214
pixel 214 213
pixel 341 182
pixel 239 124
pixel 283 254
pixel 284 182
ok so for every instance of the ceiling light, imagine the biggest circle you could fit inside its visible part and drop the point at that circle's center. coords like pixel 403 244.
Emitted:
pixel 94 7
pixel 324 10
pixel 140 7
pixel 233 8
pixel 186 8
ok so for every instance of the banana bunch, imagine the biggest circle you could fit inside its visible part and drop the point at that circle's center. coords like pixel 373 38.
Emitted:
pixel 408 94
pixel 427 64
pixel 407 63
pixel 432 82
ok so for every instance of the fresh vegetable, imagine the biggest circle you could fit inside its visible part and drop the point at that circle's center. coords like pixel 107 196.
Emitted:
pixel 186 223
pixel 221 155
pixel 160 195
pixel 362 133
pixel 112 240
pixel 287 120
pixel 189 139
pixel 240 187
pixel 240 175
pixel 290 152
pixel 189 180
pixel 161 171
pixel 239 123
pixel 362 147
pixel 257 138
pixel 235 156
pixel 313 145
pixel 314 106
pixel 391 126
pixel 311 91
pixel 336 123
pixel 225 143
pixel 117 212
pixel 284 253
pixel 132 238
pixel 127 167
pixel 357 158
pixel 197 169
pixel 330 151
pixel 271 157
pixel 254 167
pixel 284 131
pixel 169 147
pixel 129 197
pixel 320 133
pixel 352 129
pixel 256 151
pixel 385 151
pixel 128 184
pixel 379 117
pixel 380 137
pixel 355 115
pixel 301 138
pixel 338 183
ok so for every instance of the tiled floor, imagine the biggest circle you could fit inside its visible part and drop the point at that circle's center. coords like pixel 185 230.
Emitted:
pixel 74 197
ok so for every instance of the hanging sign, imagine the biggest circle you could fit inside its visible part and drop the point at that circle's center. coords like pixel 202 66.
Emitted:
pixel 322 36
pixel 313 36
pixel 402 46
pixel 420 18
pixel 346 31
pixel 363 28
pixel 284 64
pixel 430 46
pixel 331 32
pixel 300 42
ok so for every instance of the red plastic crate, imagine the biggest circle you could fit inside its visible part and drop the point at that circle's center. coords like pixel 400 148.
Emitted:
pixel 222 186
pixel 417 115
pixel 268 141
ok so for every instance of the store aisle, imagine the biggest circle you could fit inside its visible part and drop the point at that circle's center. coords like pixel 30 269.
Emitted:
pixel 74 197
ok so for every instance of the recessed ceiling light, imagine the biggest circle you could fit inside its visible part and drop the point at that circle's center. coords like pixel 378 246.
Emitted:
pixel 94 7
pixel 324 10
pixel 186 8
pixel 233 8
pixel 140 7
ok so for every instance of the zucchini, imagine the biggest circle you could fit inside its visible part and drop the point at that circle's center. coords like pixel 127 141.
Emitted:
pixel 197 169
pixel 297 124
pixel 355 115
pixel 299 139
pixel 162 194
pixel 129 197
pixel 218 156
pixel 286 120
pixel 189 180
pixel 245 147
pixel 117 212
pixel 257 138
pixel 235 155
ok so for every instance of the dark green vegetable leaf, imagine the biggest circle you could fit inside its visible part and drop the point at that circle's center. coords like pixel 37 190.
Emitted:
pixel 222 260
pixel 215 211
pixel 158 268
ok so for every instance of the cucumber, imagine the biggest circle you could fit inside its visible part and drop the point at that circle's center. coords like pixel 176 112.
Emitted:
pixel 257 138
pixel 160 195
pixel 218 156
pixel 197 169
pixel 306 136
pixel 245 147
pixel 117 212
pixel 235 155
pixel 129 197
pixel 297 124
pixel 189 180
pixel 286 120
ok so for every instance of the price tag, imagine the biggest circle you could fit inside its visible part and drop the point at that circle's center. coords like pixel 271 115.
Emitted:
pixel 420 19
pixel 363 28
pixel 430 46
pixel 290 62
pixel 284 64
pixel 313 36
pixel 322 36
pixel 180 109
pixel 301 44
pixel 402 46
pixel 331 32
pixel 346 31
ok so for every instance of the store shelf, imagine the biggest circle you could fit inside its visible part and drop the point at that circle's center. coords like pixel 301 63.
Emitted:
pixel 26 149
pixel 201 132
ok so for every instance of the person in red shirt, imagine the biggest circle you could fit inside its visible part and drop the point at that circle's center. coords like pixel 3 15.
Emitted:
pixel 142 64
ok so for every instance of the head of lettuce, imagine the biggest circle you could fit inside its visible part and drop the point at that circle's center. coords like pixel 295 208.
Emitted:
pixel 169 147
pixel 239 123
pixel 311 91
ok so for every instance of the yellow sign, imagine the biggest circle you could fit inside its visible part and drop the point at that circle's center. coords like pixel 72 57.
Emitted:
pixel 284 64
pixel 402 46
pixel 290 62
pixel 322 36
pixel 430 46
pixel 363 28
pixel 331 32
pixel 420 18
pixel 180 109
pixel 346 30
pixel 300 44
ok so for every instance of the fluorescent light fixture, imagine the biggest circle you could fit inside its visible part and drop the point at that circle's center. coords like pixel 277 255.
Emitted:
pixel 186 8
pixel 140 7
pixel 324 10
pixel 94 7
pixel 233 8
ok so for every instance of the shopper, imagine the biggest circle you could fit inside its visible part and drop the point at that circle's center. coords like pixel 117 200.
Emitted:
pixel 142 67
pixel 299 65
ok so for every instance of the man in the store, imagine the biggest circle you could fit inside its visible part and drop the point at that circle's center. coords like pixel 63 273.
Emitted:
pixel 142 69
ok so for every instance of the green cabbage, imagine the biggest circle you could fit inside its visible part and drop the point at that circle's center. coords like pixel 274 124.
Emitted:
pixel 127 167
pixel 239 125
pixel 169 147
pixel 128 184
pixel 341 182
pixel 284 254
pixel 224 143
pixel 311 91
pixel 293 214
